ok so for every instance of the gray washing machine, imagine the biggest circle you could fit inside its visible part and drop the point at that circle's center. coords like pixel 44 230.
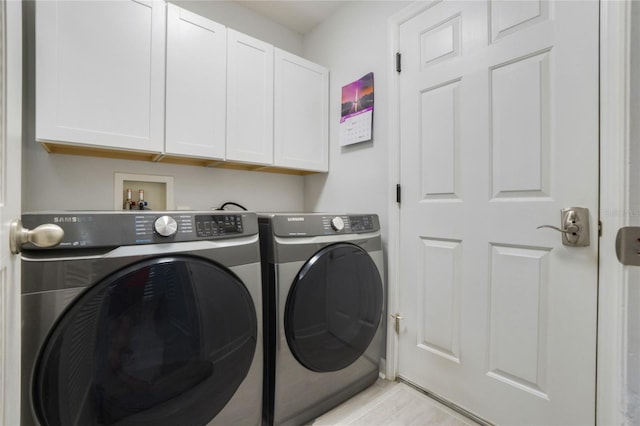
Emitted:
pixel 324 311
pixel 142 318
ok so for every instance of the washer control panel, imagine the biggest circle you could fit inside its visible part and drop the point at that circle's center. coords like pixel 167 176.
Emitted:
pixel 364 223
pixel 187 226
pixel 150 228
pixel 216 225
pixel 110 229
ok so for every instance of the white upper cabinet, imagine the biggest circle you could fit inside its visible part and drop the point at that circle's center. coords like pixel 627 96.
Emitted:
pixel 301 113
pixel 249 99
pixel 145 77
pixel 196 85
pixel 100 73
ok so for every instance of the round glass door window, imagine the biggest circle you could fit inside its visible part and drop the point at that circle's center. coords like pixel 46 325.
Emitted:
pixel 164 340
pixel 334 308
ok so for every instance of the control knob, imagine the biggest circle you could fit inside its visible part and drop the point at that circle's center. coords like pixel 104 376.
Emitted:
pixel 166 226
pixel 337 224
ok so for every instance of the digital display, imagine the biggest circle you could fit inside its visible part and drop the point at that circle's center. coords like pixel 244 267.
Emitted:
pixel 218 225
pixel 361 223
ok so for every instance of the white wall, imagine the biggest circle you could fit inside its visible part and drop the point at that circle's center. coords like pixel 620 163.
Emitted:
pixel 66 182
pixel 351 43
pixel 61 182
pixel 233 15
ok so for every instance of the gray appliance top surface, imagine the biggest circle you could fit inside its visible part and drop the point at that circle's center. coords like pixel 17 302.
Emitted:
pixel 96 229
pixel 319 224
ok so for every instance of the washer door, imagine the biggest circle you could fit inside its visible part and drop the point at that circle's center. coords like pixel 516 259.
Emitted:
pixel 162 342
pixel 334 308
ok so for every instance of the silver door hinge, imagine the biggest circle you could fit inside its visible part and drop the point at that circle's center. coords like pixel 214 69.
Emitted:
pixel 396 317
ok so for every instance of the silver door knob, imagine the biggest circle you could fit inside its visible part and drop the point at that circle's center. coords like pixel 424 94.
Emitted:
pixel 574 227
pixel 46 235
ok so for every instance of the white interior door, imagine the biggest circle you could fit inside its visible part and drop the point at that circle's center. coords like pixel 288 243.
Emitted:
pixel 10 194
pixel 499 124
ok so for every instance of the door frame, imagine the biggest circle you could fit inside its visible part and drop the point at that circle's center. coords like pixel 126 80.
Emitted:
pixel 615 18
pixel 10 207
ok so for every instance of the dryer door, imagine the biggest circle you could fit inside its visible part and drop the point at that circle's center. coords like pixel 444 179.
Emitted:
pixel 162 342
pixel 333 308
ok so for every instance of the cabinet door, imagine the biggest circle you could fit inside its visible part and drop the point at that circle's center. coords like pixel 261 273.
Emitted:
pixel 100 73
pixel 301 113
pixel 249 99
pixel 196 85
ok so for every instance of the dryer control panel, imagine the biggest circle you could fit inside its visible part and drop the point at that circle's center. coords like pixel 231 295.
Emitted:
pixel 319 224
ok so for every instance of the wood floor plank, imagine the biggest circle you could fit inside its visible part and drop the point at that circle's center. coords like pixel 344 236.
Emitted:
pixel 387 403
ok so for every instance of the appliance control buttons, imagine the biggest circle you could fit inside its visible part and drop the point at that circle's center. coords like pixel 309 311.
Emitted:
pixel 337 224
pixel 362 223
pixel 165 226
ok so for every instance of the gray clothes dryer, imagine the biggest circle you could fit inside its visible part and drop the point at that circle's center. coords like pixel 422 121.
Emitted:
pixel 143 318
pixel 324 309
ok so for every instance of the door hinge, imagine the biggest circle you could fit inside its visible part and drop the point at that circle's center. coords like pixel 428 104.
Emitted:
pixel 396 317
pixel 599 228
pixel 398 194
pixel 398 62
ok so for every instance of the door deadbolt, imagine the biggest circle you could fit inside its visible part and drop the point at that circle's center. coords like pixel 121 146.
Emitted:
pixel 628 245
pixel 574 223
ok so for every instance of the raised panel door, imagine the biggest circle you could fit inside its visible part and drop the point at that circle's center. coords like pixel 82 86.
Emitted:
pixel 499 119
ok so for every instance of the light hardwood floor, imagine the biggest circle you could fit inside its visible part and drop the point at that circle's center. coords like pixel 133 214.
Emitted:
pixel 388 403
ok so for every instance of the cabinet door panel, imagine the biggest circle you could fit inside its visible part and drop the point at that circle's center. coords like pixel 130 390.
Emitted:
pixel 196 85
pixel 100 73
pixel 301 113
pixel 249 99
